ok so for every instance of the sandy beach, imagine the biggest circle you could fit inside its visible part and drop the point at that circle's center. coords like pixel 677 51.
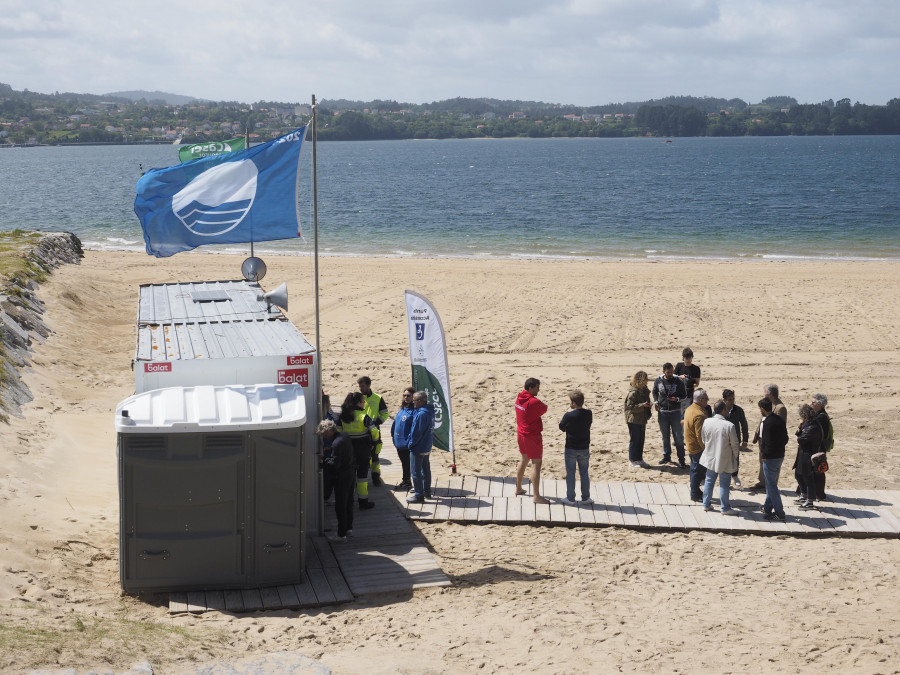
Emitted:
pixel 525 599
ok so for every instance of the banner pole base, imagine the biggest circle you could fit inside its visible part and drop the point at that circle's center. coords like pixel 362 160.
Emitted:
pixel 453 469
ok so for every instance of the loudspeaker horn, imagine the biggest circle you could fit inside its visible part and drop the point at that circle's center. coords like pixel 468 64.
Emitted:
pixel 277 297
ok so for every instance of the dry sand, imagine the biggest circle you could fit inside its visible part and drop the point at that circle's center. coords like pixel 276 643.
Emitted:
pixel 529 599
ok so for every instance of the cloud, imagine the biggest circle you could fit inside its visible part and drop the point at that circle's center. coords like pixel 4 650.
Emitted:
pixel 568 51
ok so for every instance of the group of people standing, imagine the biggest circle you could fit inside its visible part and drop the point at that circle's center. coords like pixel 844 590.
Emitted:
pixel 352 446
pixel 708 440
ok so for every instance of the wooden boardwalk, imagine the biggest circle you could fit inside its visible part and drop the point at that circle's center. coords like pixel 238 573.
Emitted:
pixel 655 506
pixel 386 554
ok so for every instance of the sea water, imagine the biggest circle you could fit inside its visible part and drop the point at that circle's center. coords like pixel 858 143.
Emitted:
pixel 683 198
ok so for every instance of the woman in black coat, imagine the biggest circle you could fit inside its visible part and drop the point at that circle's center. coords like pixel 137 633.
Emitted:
pixel 809 442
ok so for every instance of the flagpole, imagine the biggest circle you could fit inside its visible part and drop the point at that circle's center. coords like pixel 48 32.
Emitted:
pixel 315 196
pixel 247 147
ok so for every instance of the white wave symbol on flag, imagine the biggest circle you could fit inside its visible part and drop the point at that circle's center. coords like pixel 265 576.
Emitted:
pixel 218 199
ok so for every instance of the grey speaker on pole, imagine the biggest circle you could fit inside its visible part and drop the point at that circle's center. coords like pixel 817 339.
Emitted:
pixel 277 297
pixel 253 269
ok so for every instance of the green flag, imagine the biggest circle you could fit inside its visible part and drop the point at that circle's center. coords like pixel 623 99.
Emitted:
pixel 198 150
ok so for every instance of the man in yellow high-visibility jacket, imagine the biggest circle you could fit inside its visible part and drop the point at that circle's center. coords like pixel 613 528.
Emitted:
pixel 377 410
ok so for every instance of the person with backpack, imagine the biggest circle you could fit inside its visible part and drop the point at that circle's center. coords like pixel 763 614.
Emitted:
pixel 818 403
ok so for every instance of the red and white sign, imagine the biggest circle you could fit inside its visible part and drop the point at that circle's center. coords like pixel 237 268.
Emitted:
pixel 165 367
pixel 305 360
pixel 294 376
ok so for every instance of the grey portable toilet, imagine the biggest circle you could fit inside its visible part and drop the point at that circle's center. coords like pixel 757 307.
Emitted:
pixel 211 487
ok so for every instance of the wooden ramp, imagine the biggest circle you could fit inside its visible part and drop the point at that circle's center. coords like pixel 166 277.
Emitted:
pixel 654 506
pixel 323 585
pixel 386 554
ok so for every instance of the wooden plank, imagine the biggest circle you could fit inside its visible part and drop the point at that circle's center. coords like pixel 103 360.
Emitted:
pixel 614 512
pixel 485 509
pixel 513 509
pixel 542 513
pixel 853 524
pixel 338 585
pixel 196 602
pixel 548 488
pixel 686 514
pixel 601 493
pixel 659 496
pixel 558 511
pixel 683 492
pixel 215 601
pixel 672 516
pixel 890 520
pixel 457 509
pixel 270 598
pixel 470 510
pixel 631 494
pixel 658 516
pixel 324 552
pixel 643 515
pixel 288 596
pixel 306 594
pixel 234 601
pixel 586 514
pixel 670 490
pixel 629 515
pixel 643 493
pixel 616 495
pixel 703 518
pixel 601 515
pixel 252 600
pixel 469 486
pixel 527 507
pixel 442 509
pixel 178 603
pixel 499 509
pixel 319 583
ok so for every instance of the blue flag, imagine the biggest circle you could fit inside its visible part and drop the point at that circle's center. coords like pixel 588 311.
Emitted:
pixel 238 197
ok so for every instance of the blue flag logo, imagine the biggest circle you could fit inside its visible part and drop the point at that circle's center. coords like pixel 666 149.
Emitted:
pixel 420 331
pixel 240 197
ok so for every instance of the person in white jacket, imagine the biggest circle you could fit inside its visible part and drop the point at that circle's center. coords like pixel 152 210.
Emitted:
pixel 720 457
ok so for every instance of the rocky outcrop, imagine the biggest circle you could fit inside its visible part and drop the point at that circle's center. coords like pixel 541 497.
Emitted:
pixel 21 311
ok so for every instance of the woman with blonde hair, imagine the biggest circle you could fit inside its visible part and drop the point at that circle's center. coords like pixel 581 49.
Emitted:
pixel 637 413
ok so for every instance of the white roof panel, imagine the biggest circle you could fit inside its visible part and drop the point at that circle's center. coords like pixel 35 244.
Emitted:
pixel 228 322
pixel 208 408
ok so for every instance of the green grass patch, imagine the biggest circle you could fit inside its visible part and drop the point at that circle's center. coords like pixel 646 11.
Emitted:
pixel 111 640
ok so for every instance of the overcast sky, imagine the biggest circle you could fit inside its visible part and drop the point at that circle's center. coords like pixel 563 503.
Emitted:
pixel 584 52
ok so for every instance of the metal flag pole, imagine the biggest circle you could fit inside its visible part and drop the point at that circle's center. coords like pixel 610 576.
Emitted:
pixel 315 196
pixel 247 147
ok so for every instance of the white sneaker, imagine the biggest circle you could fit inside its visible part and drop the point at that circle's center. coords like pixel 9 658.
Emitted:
pixel 635 465
pixel 737 482
pixel 587 502
pixel 568 502
pixel 729 512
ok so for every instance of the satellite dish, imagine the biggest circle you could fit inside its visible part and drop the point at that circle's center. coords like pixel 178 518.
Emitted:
pixel 253 269
pixel 277 297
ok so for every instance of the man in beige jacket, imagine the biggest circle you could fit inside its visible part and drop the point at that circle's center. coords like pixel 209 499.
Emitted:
pixel 719 457
pixel 693 443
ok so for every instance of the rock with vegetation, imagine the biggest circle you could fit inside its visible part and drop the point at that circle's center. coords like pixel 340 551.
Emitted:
pixel 26 260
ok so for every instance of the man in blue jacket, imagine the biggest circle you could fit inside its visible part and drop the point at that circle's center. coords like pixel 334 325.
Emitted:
pixel 420 440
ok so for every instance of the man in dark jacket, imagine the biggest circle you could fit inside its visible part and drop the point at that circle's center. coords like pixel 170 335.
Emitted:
pixel 340 468
pixel 668 392
pixel 735 414
pixel 773 438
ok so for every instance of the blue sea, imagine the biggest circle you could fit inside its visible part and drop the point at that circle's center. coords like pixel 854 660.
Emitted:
pixel 684 198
